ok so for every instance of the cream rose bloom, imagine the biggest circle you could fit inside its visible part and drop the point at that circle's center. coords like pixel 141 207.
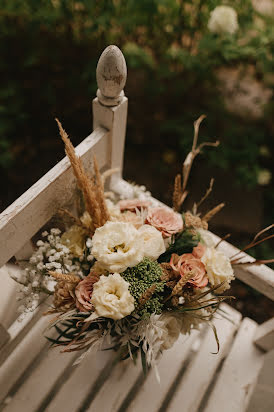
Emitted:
pixel 223 19
pixel 153 241
pixel 111 297
pixel 117 246
pixel 218 268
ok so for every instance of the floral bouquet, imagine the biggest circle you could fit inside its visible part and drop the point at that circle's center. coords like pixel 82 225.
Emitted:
pixel 128 272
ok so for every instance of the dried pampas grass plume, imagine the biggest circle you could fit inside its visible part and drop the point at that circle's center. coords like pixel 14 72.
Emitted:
pixel 92 190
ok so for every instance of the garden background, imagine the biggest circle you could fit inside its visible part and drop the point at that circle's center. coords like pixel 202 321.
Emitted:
pixel 177 70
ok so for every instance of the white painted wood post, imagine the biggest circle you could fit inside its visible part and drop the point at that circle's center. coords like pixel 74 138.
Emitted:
pixel 110 106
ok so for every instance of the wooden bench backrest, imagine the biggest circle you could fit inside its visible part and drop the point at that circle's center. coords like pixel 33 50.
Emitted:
pixel 20 221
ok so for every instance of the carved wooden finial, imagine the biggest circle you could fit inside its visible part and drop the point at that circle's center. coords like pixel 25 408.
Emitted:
pixel 111 75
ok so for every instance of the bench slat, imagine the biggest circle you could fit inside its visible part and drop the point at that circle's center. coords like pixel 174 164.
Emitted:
pixel 116 387
pixel 79 384
pixel 41 382
pixel 239 373
pixel 264 336
pixel 4 336
pixel 201 371
pixel 22 356
pixel 152 393
pixel 20 221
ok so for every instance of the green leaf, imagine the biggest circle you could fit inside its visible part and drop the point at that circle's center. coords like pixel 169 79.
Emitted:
pixel 184 243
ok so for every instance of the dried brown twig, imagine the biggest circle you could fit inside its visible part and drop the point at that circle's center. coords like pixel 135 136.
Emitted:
pixel 238 256
pixel 222 239
pixel 207 193
pixel 180 193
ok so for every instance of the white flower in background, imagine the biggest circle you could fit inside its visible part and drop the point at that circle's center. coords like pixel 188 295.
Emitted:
pixel 223 19
pixel 207 238
pixel 264 177
pixel 111 297
pixel 153 240
pixel 218 268
pixel 264 151
pixel 117 246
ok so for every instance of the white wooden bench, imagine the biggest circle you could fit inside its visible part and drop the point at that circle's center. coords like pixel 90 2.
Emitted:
pixel 33 378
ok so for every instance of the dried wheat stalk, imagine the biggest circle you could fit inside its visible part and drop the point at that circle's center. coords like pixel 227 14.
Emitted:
pixel 177 290
pixel 209 215
pixel 67 277
pixel 147 295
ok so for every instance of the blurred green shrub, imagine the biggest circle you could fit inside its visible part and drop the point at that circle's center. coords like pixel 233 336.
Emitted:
pixel 49 51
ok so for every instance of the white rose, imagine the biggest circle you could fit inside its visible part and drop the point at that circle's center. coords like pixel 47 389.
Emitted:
pixel 223 19
pixel 117 246
pixel 111 297
pixel 218 268
pixel 153 241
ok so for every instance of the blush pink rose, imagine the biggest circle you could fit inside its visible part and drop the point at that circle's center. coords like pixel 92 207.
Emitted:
pixel 199 250
pixel 189 263
pixel 133 204
pixel 83 293
pixel 165 220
